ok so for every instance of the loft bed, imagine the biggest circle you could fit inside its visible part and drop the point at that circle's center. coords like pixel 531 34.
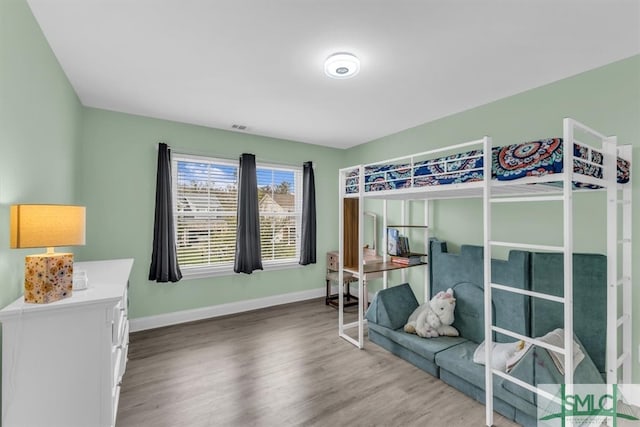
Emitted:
pixel 517 173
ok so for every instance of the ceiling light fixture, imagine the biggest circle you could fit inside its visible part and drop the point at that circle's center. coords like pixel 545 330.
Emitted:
pixel 342 66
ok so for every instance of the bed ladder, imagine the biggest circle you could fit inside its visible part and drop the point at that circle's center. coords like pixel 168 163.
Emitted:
pixel 613 246
pixel 567 249
pixel 619 203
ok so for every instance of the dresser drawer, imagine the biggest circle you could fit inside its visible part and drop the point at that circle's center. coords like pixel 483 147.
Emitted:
pixel 119 363
pixel 123 363
pixel 116 358
pixel 119 317
pixel 118 326
pixel 115 400
pixel 119 355
pixel 125 300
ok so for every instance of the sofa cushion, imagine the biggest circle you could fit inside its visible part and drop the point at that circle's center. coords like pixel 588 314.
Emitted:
pixel 589 299
pixel 469 312
pixel 448 269
pixel 463 273
pixel 458 360
pixel 392 307
pixel 425 347
pixel 404 353
pixel 511 311
pixel 477 393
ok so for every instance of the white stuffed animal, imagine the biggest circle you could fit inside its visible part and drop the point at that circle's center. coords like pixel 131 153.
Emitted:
pixel 434 318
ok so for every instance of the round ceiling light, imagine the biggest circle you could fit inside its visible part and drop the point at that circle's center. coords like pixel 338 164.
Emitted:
pixel 342 66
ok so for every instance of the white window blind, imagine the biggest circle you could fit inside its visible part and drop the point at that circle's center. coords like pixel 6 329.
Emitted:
pixel 280 204
pixel 205 201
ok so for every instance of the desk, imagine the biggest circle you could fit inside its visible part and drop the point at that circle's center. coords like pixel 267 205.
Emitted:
pixel 374 270
pixel 350 274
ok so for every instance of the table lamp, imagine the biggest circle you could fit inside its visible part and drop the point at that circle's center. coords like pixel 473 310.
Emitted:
pixel 48 277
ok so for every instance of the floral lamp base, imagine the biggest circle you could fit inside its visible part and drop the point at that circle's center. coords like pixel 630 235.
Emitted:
pixel 48 277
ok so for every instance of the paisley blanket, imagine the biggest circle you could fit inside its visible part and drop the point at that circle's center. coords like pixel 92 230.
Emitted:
pixel 533 158
pixel 543 157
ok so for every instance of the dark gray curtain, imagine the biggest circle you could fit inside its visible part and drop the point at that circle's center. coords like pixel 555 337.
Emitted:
pixel 164 260
pixel 308 241
pixel 248 252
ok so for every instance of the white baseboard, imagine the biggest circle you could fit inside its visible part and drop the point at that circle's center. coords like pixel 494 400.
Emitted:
pixel 176 317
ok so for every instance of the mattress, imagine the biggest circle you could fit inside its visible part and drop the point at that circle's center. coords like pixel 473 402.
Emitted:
pixel 544 157
pixel 511 162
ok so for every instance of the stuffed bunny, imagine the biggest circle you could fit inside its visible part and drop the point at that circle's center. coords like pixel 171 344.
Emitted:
pixel 434 318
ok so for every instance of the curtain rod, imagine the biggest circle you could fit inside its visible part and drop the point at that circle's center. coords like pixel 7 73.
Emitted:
pixel 258 159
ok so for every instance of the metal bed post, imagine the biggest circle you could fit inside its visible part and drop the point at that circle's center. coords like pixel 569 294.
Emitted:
pixel 488 321
pixel 341 190
pixel 361 297
pixel 610 152
pixel 627 297
pixel 360 321
pixel 403 220
pixel 385 254
pixel 427 284
pixel 567 204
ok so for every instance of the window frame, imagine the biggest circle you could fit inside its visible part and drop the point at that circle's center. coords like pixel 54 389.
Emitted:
pixel 226 268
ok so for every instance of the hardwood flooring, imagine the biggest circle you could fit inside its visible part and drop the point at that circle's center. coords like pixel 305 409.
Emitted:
pixel 281 366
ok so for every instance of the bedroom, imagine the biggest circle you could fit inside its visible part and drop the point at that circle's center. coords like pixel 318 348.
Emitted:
pixel 105 160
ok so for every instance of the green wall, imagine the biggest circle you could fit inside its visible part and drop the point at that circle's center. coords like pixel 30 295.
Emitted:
pixel 117 170
pixel 39 124
pixel 606 99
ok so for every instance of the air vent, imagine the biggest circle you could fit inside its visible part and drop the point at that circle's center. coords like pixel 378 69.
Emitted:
pixel 239 127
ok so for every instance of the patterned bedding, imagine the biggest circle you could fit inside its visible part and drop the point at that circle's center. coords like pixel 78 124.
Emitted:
pixel 534 158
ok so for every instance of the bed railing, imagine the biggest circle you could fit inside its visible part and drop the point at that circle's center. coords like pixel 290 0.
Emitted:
pixel 464 164
pixel 405 171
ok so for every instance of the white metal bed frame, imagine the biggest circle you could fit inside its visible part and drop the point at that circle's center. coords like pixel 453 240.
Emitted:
pixel 618 196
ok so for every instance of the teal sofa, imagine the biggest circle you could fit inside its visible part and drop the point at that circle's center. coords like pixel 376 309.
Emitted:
pixel 451 358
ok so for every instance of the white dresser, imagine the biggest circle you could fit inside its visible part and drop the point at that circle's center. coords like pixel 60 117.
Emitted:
pixel 63 362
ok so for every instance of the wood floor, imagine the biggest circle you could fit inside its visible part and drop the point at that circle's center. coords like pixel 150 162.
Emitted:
pixel 281 366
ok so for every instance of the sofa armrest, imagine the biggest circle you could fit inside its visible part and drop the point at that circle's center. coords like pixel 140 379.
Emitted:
pixel 392 307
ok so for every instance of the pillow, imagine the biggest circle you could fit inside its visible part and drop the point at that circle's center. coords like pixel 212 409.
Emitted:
pixel 504 355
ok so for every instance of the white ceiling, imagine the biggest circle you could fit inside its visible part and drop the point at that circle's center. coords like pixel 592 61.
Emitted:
pixel 259 63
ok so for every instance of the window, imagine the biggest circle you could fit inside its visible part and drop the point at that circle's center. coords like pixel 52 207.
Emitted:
pixel 205 203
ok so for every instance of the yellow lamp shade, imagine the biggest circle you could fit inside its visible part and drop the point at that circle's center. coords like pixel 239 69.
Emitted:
pixel 43 226
pixel 47 277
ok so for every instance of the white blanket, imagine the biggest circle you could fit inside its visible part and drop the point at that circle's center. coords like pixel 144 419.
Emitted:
pixel 504 355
